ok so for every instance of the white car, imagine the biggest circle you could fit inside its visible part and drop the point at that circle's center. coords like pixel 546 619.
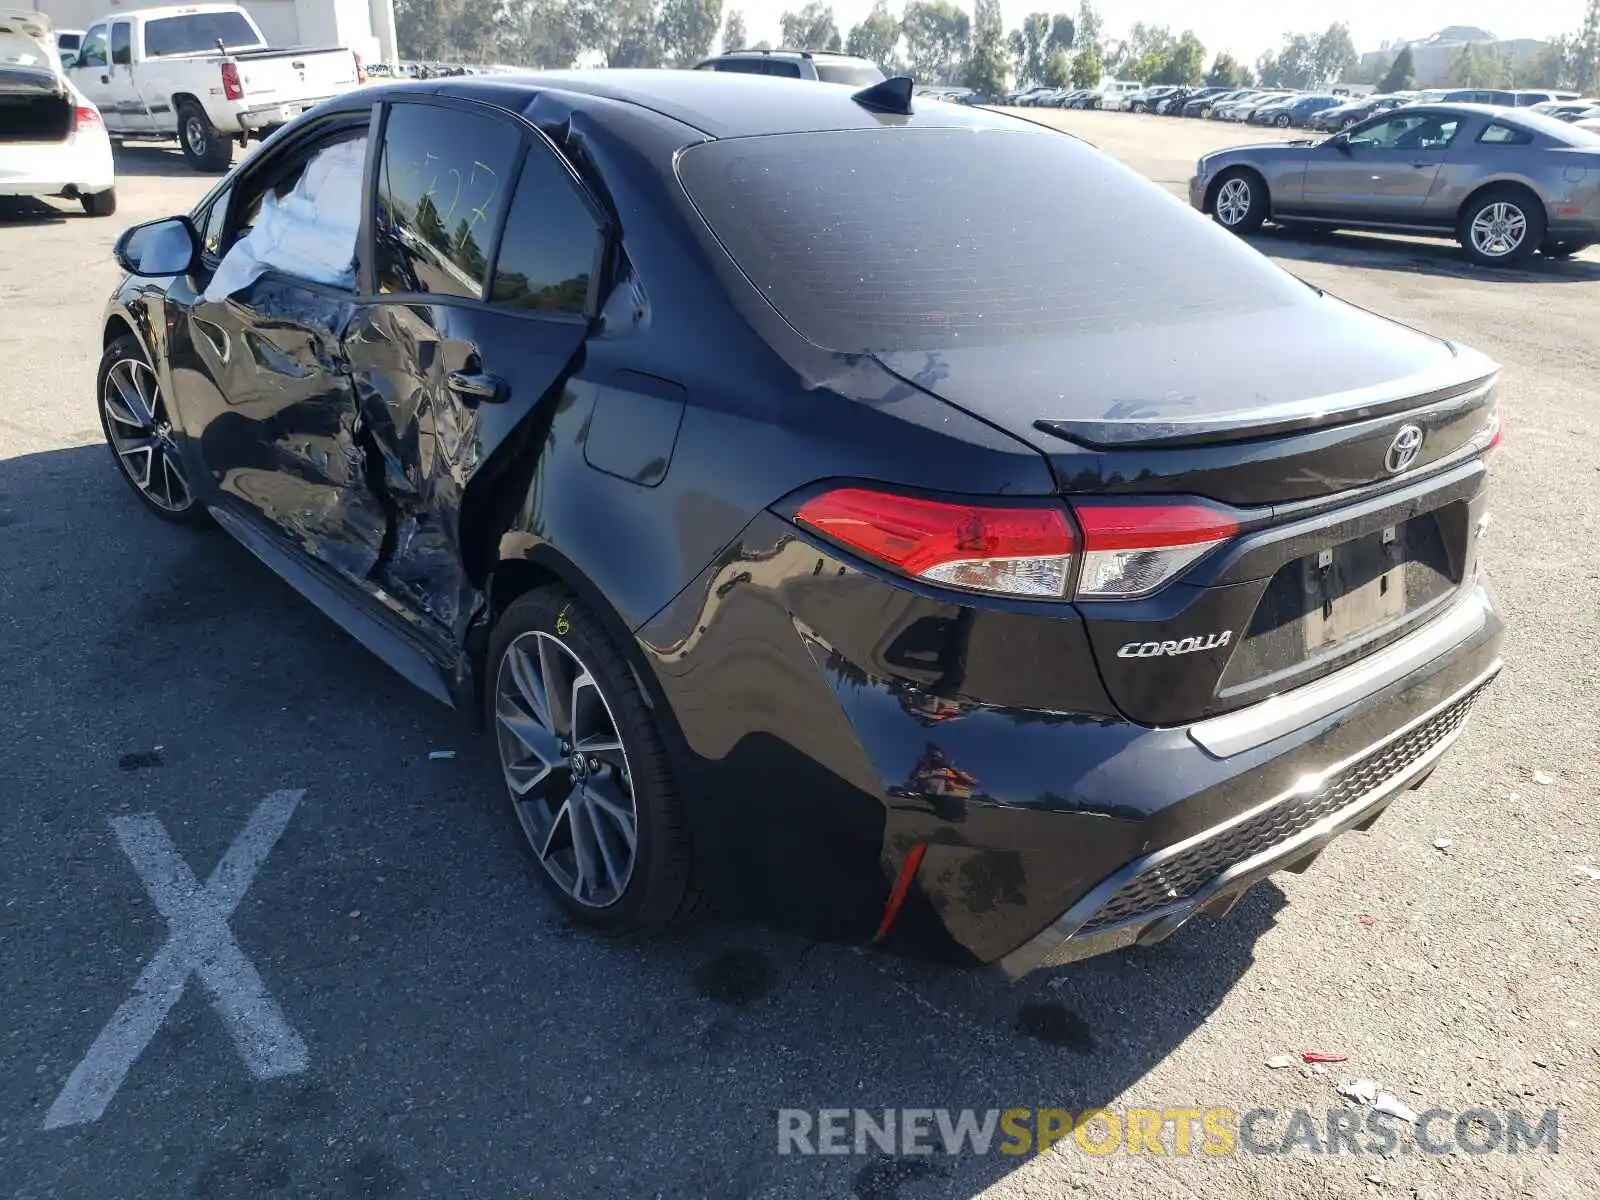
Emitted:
pixel 53 141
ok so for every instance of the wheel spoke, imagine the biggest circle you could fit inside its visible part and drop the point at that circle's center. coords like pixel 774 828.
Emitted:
pixel 583 846
pixel 617 810
pixel 530 685
pixel 564 813
pixel 122 408
pixel 615 861
pixel 538 740
pixel 555 668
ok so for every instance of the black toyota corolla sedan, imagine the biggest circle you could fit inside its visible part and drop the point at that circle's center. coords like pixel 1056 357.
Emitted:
pixel 883 516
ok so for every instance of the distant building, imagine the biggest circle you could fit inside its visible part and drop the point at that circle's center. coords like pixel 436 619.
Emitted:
pixel 1435 55
pixel 366 26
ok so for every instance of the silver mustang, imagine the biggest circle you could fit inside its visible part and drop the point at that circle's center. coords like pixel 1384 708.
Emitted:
pixel 1504 182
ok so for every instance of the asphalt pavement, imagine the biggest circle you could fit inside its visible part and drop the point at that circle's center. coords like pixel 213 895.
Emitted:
pixel 257 937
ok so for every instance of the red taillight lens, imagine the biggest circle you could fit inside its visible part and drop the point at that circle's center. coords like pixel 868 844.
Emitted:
pixel 86 116
pixel 1132 548
pixel 232 85
pixel 361 68
pixel 1007 550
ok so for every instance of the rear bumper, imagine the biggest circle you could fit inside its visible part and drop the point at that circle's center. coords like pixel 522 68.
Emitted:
pixel 71 168
pixel 1156 894
pixel 270 115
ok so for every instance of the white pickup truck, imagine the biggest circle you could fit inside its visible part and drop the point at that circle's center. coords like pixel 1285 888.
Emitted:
pixel 205 73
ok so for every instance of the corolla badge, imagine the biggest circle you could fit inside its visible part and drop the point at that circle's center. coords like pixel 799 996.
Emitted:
pixel 1404 449
pixel 1188 645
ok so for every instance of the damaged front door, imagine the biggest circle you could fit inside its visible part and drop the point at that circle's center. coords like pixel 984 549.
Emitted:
pixel 467 334
pixel 269 394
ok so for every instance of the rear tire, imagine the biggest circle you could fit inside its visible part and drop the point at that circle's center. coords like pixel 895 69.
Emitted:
pixel 99 204
pixel 547 644
pixel 1283 121
pixel 205 148
pixel 1239 203
pixel 1501 227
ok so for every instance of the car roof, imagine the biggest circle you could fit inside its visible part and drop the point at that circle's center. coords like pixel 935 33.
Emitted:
pixel 716 103
pixel 829 55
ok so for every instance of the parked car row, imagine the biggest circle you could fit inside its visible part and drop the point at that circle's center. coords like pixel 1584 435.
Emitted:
pixel 1325 111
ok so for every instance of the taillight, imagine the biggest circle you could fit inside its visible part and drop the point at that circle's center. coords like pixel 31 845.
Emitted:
pixel 1007 550
pixel 86 116
pixel 1132 548
pixel 232 85
pixel 1128 548
pixel 361 68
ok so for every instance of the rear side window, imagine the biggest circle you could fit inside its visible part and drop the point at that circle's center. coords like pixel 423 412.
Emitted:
pixel 742 66
pixel 121 44
pixel 921 239
pixel 783 67
pixel 551 245
pixel 1497 134
pixel 442 186
pixel 197 33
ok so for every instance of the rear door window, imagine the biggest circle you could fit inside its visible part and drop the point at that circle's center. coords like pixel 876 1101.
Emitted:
pixel 551 247
pixel 443 181
pixel 783 67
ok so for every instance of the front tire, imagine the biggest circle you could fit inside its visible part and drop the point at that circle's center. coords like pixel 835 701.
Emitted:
pixel 138 431
pixel 99 204
pixel 203 146
pixel 586 769
pixel 1240 201
pixel 1502 227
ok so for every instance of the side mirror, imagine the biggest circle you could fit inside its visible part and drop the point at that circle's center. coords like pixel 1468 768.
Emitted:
pixel 158 249
pixel 1340 142
pixel 69 59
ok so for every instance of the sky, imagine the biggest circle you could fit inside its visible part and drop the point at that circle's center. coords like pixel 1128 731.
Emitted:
pixel 1246 27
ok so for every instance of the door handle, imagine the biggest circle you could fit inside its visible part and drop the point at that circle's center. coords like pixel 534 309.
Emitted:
pixel 476 387
pixel 1424 163
pixel 105 79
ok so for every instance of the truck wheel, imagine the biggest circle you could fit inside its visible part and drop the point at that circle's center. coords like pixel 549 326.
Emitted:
pixel 205 148
pixel 99 204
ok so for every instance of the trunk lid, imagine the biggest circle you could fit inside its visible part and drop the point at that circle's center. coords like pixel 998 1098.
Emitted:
pixel 1254 408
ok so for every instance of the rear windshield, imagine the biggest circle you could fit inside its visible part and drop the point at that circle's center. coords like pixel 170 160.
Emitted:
pixel 855 74
pixel 897 239
pixel 198 32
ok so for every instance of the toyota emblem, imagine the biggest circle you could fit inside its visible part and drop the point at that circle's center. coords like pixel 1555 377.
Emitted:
pixel 1404 449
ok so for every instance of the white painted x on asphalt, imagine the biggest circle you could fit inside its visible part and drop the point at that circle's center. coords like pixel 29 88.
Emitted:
pixel 199 942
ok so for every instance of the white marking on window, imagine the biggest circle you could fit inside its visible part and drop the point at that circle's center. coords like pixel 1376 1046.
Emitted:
pixel 199 942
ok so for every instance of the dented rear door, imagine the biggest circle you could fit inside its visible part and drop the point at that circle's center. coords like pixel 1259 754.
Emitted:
pixel 486 252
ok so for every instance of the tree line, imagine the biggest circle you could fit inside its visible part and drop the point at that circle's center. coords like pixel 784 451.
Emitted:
pixel 940 42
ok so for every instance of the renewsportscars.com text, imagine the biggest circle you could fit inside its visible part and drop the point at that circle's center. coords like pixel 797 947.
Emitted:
pixel 1178 1132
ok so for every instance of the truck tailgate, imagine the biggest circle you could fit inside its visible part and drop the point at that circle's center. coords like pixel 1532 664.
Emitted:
pixel 288 76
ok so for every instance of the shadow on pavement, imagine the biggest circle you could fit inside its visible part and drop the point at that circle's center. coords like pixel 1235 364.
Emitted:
pixel 28 210
pixel 460 1030
pixel 1414 257
pixel 155 160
